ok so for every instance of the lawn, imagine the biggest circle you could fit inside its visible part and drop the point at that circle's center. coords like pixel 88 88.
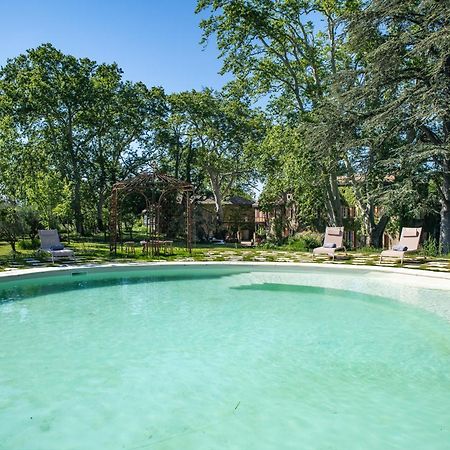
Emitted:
pixel 94 251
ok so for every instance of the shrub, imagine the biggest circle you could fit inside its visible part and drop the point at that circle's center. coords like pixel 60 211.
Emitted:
pixel 268 246
pixel 305 240
pixel 367 249
pixel 29 244
pixel 431 247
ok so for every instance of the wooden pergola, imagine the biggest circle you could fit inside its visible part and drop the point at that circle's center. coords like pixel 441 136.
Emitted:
pixel 153 187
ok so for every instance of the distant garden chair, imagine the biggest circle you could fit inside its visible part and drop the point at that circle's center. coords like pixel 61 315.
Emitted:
pixel 332 242
pixel 409 242
pixel 50 243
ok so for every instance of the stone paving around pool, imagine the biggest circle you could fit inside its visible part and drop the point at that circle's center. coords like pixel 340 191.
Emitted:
pixel 250 255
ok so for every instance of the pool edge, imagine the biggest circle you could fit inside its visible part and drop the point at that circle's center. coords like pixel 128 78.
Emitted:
pixel 36 272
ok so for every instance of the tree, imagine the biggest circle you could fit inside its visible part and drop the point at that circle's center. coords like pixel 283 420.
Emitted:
pixel 74 119
pixel 404 46
pixel 274 49
pixel 51 93
pixel 212 133
pixel 12 225
pixel 282 156
pixel 120 119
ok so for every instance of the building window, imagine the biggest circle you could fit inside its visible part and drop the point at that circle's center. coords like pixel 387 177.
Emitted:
pixel 344 210
pixel 349 238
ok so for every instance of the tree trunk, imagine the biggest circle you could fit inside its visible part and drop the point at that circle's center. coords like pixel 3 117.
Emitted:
pixel 444 232
pixel 333 202
pixel 100 203
pixel 177 159
pixel 102 185
pixel 76 204
pixel 377 231
pixel 76 177
pixel 215 187
pixel 189 163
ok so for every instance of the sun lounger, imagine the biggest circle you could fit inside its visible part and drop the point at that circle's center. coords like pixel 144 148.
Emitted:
pixel 50 243
pixel 334 237
pixel 409 242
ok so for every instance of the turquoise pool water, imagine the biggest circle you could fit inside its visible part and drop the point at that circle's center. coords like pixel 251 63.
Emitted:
pixel 218 358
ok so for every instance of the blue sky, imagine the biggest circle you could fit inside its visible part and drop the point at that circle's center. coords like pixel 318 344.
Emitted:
pixel 154 41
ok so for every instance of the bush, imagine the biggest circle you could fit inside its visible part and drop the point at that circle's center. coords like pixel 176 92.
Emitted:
pixel 367 249
pixel 268 246
pixel 29 244
pixel 431 247
pixel 304 241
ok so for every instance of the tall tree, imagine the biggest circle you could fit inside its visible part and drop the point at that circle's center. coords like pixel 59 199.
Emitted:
pixel 274 48
pixel 75 119
pixel 405 49
pixel 282 156
pixel 121 116
pixel 212 133
pixel 52 93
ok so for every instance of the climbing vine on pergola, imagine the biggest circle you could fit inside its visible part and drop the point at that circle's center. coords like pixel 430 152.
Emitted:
pixel 154 188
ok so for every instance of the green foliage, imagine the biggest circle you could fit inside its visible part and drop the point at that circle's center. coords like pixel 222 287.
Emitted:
pixel 29 244
pixel 398 94
pixel 210 137
pixel 367 250
pixel 31 220
pixel 261 232
pixel 361 101
pixel 69 123
pixel 305 241
pixel 288 168
pixel 12 224
pixel 431 247
pixel 269 245
pixel 274 51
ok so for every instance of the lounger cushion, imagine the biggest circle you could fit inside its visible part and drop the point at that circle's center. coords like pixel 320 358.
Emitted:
pixel 400 248
pixel 57 247
pixel 334 231
pixel 329 245
pixel 410 232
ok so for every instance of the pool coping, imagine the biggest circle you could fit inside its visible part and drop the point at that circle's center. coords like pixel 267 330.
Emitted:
pixel 35 272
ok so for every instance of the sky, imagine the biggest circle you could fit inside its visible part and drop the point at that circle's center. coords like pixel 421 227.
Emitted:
pixel 154 41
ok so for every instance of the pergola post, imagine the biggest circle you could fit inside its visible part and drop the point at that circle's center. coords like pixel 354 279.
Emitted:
pixel 113 221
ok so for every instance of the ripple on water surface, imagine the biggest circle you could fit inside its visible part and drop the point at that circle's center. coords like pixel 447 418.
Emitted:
pixel 218 359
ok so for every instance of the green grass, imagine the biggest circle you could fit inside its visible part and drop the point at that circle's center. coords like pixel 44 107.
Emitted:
pixel 96 251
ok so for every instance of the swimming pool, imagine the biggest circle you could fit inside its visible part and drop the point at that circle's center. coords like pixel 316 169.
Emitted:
pixel 225 357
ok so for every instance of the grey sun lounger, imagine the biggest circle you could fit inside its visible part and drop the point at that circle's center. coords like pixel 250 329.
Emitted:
pixel 50 243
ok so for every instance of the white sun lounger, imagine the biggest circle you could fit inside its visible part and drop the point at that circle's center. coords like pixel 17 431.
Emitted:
pixel 409 239
pixel 332 242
